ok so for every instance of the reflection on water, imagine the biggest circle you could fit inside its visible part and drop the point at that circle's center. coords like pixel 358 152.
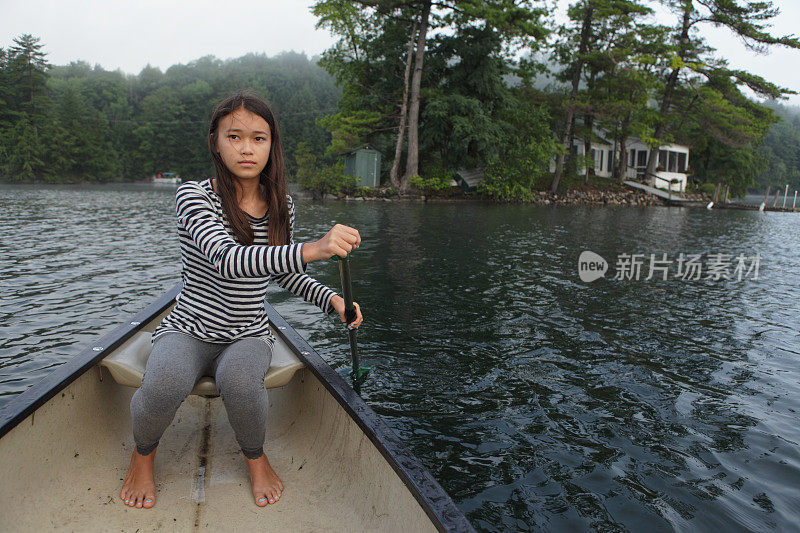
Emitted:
pixel 538 401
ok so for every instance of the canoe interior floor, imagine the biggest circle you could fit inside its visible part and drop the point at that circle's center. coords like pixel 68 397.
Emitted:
pixel 63 467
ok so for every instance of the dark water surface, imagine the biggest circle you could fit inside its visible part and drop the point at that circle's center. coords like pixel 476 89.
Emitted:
pixel 538 401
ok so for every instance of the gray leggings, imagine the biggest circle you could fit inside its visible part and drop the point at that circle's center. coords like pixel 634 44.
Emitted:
pixel 178 361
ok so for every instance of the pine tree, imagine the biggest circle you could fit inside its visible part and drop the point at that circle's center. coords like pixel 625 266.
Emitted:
pixel 690 58
pixel 602 47
pixel 23 160
pixel 27 68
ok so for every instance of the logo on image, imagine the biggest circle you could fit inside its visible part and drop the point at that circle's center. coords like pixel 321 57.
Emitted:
pixel 591 266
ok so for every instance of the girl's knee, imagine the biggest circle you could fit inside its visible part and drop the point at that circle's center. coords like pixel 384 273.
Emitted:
pixel 246 384
pixel 245 358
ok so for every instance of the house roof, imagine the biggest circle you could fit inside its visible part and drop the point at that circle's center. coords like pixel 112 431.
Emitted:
pixel 365 147
pixel 471 176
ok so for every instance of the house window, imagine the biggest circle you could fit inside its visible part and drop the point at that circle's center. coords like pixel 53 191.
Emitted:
pixel 681 162
pixel 600 166
pixel 608 162
pixel 662 159
pixel 632 158
pixel 673 162
pixel 642 159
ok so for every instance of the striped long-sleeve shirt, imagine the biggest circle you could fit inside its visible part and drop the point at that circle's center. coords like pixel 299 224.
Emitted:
pixel 225 283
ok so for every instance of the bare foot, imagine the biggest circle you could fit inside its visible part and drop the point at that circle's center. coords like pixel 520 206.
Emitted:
pixel 139 489
pixel 267 487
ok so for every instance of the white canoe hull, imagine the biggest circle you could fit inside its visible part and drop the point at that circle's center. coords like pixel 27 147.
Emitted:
pixel 62 462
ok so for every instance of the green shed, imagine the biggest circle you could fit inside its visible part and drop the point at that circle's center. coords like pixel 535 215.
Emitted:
pixel 365 165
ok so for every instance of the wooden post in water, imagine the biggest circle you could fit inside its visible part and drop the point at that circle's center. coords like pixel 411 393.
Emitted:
pixel 795 200
pixel 784 195
pixel 716 192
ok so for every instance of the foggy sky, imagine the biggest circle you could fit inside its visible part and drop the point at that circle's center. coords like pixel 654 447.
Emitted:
pixel 128 34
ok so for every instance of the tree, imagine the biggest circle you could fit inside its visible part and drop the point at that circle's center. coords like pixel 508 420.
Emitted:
pixel 87 123
pixel 585 11
pixel 464 114
pixel 377 31
pixel 605 47
pixel 525 150
pixel 689 57
pixel 781 149
pixel 725 129
pixel 23 161
pixel 28 67
pixel 623 77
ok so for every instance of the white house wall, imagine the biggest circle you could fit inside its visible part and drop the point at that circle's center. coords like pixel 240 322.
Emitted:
pixel 640 153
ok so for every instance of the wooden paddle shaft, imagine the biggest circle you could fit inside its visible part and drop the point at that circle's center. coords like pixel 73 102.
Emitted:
pixel 349 308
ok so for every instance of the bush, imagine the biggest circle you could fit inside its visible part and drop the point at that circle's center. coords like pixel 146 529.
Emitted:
pixel 501 190
pixel 328 181
pixel 321 181
pixel 364 192
pixel 432 184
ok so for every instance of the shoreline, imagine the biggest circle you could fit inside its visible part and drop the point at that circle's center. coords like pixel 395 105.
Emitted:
pixel 569 197
pixel 585 196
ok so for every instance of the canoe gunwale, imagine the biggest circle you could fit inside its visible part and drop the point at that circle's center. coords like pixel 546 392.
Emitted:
pixel 436 503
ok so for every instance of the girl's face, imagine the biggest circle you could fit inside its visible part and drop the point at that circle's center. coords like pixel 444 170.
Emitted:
pixel 243 143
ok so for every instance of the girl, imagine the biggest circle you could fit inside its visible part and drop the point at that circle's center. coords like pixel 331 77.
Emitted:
pixel 236 234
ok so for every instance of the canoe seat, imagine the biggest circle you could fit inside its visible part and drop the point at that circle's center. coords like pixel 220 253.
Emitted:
pixel 127 364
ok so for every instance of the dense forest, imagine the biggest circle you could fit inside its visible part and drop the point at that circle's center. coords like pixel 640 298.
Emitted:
pixel 83 123
pixel 780 150
pixel 435 86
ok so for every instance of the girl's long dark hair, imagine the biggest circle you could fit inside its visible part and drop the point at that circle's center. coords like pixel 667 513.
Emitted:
pixel 272 179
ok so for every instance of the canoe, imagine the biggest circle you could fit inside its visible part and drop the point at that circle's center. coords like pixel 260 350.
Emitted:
pixel 65 445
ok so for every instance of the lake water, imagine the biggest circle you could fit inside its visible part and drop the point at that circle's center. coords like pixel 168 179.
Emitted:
pixel 537 400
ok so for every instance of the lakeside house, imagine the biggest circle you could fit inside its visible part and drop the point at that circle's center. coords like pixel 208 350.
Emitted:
pixel 671 171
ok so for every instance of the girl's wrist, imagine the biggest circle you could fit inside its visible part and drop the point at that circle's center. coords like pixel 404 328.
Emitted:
pixel 335 303
pixel 309 252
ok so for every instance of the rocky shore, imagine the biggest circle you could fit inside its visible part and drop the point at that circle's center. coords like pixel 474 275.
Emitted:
pixel 568 197
pixel 596 197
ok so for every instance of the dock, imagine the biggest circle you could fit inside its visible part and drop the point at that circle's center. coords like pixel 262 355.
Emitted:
pixel 751 207
pixel 697 200
pixel 673 198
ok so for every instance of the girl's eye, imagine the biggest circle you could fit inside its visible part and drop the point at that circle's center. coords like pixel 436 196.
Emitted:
pixel 261 138
pixel 232 136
